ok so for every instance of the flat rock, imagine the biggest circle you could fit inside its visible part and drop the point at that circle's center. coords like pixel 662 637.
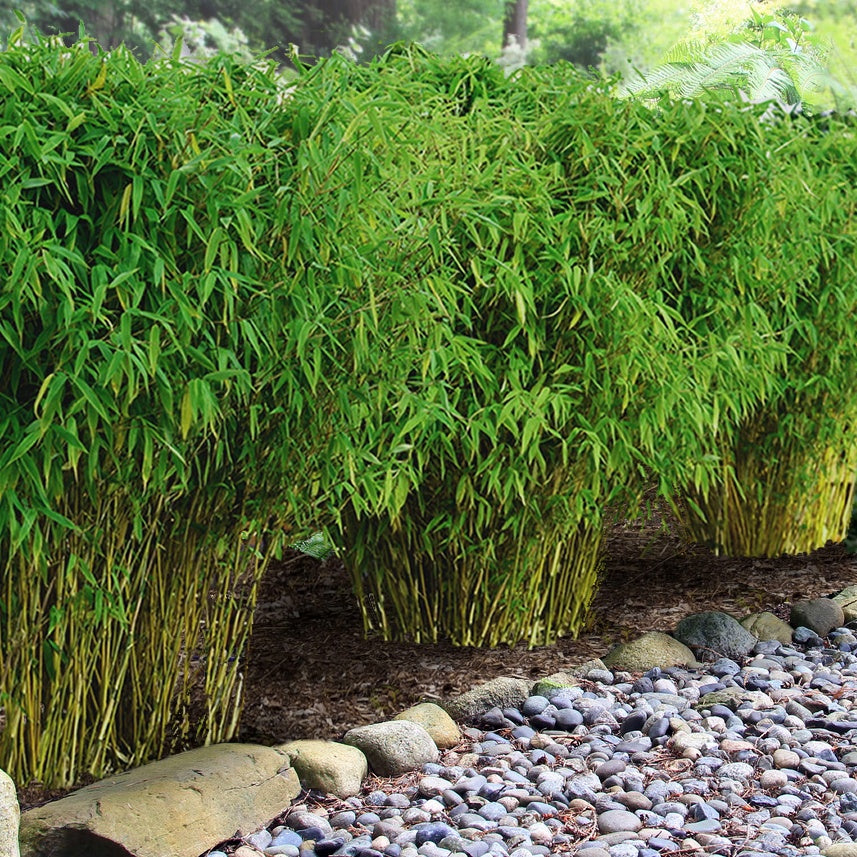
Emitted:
pixel 652 649
pixel 393 747
pixel 712 635
pixel 821 615
pixel 767 626
pixel 443 729
pixel 502 692
pixel 10 815
pixel 336 769
pixel 175 807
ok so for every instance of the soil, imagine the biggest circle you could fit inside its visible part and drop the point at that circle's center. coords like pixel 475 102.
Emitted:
pixel 310 673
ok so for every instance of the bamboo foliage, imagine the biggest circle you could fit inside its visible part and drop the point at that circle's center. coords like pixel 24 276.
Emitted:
pixel 558 365
pixel 793 459
pixel 445 316
pixel 140 370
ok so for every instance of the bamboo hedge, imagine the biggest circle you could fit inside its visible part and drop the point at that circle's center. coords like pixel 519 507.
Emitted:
pixel 449 317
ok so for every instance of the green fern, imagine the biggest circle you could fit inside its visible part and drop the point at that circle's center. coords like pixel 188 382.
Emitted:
pixel 768 59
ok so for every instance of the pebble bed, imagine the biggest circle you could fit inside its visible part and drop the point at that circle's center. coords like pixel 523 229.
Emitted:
pixel 628 766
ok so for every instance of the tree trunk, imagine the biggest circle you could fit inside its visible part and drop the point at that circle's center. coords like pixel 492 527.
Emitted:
pixel 515 23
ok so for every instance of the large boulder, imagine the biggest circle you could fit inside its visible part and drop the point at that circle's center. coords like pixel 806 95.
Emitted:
pixel 393 747
pixel 175 807
pixel 10 815
pixel 443 729
pixel 336 769
pixel 503 692
pixel 821 615
pixel 712 635
pixel 767 626
pixel 652 649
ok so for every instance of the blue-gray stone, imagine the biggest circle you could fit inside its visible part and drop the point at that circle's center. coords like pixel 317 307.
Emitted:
pixel 659 728
pixel 724 666
pixel 534 705
pixel 313 833
pixel 470 784
pixel 543 721
pixel 491 791
pixel 568 718
pixel 452 798
pixel 802 634
pixel 492 811
pixel 633 722
pixel 476 848
pixel 432 831
pixel 661 844
pixel 542 808
pixel 702 811
pixel 325 847
pixel 496 737
pixel 707 825
pixel 367 819
pixel 289 837
pixel 493 718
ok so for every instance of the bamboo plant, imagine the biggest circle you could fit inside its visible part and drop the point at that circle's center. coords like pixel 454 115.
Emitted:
pixel 146 409
pixel 510 376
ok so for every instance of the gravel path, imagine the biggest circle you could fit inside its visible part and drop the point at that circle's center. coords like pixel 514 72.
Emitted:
pixel 738 759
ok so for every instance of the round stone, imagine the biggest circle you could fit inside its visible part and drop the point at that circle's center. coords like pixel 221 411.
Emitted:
pixel 618 821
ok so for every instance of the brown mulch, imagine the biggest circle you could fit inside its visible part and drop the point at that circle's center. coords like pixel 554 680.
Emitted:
pixel 311 674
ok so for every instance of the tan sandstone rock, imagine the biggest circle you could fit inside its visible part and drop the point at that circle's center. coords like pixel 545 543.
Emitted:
pixel 9 816
pixel 504 692
pixel 174 807
pixel 847 600
pixel 393 747
pixel 336 769
pixel 767 626
pixel 442 728
pixel 652 649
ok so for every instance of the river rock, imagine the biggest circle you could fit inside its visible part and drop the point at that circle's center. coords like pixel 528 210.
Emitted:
pixel 393 747
pixel 821 615
pixel 336 769
pixel 502 692
pixel 10 815
pixel 767 626
pixel 652 649
pixel 442 728
pixel 176 806
pixel 712 635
